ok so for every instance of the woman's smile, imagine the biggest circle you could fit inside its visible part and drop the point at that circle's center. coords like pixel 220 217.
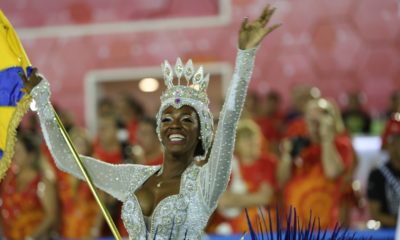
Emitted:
pixel 176 138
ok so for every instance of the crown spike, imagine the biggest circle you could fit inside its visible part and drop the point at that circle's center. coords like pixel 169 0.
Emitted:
pixel 204 83
pixel 168 74
pixel 189 70
pixel 198 76
pixel 179 69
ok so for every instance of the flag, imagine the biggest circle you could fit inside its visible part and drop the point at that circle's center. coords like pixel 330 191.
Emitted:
pixel 13 102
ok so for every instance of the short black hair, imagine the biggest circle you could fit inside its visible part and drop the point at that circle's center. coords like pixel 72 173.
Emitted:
pixel 199 151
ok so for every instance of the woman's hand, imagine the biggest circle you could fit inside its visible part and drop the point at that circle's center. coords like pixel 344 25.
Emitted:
pixel 31 82
pixel 252 33
pixel 326 128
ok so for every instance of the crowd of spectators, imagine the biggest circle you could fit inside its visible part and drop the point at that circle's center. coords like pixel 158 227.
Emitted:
pixel 302 157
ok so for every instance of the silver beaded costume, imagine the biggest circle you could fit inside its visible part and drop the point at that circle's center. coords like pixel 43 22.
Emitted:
pixel 180 216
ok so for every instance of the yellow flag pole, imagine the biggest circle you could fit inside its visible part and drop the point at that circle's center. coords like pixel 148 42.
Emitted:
pixel 87 178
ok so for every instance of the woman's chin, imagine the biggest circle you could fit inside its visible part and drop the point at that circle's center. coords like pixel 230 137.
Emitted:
pixel 175 148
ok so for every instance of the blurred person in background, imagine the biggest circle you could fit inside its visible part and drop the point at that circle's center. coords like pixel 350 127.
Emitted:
pixel 66 117
pixel 78 208
pixel 265 111
pixel 128 112
pixel 384 182
pixel 105 106
pixel 109 148
pixel 294 119
pixel 148 150
pixel 28 195
pixel 251 107
pixel 252 184
pixel 270 120
pixel 355 118
pixel 107 145
pixel 312 168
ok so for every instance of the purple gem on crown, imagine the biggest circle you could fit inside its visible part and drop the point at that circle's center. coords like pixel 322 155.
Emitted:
pixel 177 100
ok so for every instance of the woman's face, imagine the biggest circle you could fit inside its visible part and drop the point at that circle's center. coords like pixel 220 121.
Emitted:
pixel 180 129
pixel 248 146
pixel 107 130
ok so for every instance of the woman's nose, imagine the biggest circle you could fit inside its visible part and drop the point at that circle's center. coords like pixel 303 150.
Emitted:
pixel 176 123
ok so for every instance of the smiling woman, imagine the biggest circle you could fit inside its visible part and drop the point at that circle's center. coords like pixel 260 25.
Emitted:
pixel 173 200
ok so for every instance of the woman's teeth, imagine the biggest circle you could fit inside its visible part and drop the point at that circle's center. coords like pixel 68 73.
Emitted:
pixel 176 137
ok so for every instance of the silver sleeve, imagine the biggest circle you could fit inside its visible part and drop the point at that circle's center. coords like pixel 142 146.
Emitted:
pixel 214 175
pixel 113 179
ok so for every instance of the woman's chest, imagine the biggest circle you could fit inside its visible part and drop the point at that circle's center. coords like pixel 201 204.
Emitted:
pixel 152 193
pixel 169 209
pixel 170 214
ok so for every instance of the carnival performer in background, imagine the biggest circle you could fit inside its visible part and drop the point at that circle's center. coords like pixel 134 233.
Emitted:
pixel 176 199
pixel 312 168
pixel 28 194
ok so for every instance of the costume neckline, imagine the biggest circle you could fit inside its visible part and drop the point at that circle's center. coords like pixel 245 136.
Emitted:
pixel 181 188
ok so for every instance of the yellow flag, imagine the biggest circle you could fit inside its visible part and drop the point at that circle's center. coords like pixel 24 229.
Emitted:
pixel 13 102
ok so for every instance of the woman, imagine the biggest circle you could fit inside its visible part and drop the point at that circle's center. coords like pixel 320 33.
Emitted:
pixel 252 183
pixel 28 196
pixel 175 200
pixel 314 177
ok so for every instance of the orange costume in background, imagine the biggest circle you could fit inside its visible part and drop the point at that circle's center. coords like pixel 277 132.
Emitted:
pixel 309 189
pixel 78 208
pixel 21 210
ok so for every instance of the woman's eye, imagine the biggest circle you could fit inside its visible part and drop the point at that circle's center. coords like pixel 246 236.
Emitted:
pixel 166 119
pixel 187 119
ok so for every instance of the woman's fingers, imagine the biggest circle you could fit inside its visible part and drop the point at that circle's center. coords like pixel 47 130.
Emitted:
pixel 244 22
pixel 32 81
pixel 264 13
pixel 275 26
pixel 267 17
pixel 23 77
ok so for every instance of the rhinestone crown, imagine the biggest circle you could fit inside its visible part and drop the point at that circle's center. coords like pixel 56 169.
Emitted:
pixel 192 94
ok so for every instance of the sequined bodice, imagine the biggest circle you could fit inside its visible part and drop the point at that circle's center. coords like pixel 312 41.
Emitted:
pixel 180 216
pixel 177 215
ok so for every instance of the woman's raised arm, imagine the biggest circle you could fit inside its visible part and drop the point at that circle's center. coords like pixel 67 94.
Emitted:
pixel 214 175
